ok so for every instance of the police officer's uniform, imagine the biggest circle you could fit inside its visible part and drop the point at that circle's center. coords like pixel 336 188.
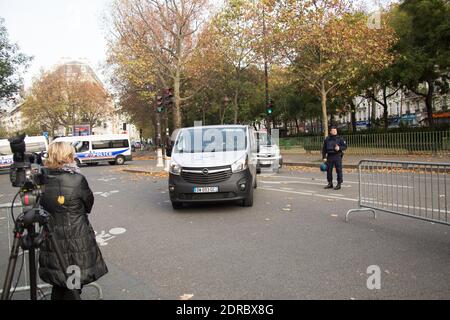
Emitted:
pixel 334 158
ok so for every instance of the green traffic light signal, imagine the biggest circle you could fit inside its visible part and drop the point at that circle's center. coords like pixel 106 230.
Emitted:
pixel 269 108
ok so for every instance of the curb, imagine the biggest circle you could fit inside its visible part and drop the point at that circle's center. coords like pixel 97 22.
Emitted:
pixel 315 165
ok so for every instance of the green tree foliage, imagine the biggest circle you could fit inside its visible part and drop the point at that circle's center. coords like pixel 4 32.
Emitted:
pixel 12 63
pixel 423 27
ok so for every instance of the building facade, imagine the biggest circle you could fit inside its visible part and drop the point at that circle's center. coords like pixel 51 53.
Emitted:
pixel 404 107
pixel 12 120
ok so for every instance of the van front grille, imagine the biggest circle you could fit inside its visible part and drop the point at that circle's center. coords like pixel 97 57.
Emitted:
pixel 205 176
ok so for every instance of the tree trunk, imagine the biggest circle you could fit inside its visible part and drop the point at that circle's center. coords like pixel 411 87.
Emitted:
pixel 429 104
pixel 323 96
pixel 373 116
pixel 385 110
pixel 353 115
pixel 236 106
pixel 297 125
pixel 177 96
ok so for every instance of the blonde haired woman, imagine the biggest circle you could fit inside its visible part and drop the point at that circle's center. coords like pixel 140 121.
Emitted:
pixel 69 200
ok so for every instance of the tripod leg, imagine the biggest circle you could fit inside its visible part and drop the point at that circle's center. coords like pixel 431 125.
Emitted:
pixel 32 265
pixel 11 267
pixel 60 256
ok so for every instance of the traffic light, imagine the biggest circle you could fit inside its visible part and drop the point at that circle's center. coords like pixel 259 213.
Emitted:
pixel 269 108
pixel 159 104
pixel 168 96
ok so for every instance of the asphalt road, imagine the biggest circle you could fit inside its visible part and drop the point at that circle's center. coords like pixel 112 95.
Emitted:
pixel 292 244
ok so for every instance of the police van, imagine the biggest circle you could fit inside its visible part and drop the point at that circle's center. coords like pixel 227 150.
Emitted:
pixel 91 150
pixel 38 144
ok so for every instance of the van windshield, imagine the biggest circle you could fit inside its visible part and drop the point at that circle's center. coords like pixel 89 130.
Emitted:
pixel 264 139
pixel 5 150
pixel 198 140
pixel 35 147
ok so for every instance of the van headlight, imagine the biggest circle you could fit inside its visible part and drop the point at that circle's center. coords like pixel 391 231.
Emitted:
pixel 240 165
pixel 174 168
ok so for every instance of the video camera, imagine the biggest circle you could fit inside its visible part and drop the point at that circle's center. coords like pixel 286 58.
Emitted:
pixel 27 171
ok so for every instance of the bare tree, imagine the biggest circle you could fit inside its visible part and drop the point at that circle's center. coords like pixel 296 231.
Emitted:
pixel 164 31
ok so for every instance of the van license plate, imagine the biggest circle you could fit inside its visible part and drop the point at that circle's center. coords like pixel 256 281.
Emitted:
pixel 206 189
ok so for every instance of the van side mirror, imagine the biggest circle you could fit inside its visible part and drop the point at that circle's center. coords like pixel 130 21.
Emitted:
pixel 169 152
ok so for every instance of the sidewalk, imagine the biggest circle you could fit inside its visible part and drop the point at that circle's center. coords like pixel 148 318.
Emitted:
pixel 146 165
pixel 351 161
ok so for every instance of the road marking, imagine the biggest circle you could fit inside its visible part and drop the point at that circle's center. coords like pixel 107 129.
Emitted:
pixel 106 194
pixel 314 179
pixel 106 179
pixel 364 184
pixel 299 182
pixel 389 206
pixel 103 238
pixel 310 194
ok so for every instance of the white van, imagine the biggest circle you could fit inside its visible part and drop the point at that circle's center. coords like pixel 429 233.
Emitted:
pixel 38 144
pixel 211 164
pixel 91 150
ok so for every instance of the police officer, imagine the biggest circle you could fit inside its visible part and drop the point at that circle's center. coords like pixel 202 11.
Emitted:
pixel 332 153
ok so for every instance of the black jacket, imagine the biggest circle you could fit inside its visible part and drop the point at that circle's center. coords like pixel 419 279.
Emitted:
pixel 71 228
pixel 330 144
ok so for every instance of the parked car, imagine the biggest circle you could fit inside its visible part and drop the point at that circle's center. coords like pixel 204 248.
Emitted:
pixel 211 164
pixel 136 145
pixel 268 155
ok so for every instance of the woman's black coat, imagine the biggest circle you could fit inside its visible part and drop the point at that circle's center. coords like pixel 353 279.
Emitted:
pixel 71 228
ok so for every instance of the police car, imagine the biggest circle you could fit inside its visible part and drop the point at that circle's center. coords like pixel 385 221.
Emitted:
pixel 91 150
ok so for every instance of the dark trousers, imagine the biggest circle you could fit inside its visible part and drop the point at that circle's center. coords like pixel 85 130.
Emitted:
pixel 332 162
pixel 61 293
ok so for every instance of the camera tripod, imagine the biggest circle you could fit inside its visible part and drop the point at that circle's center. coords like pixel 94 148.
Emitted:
pixel 31 241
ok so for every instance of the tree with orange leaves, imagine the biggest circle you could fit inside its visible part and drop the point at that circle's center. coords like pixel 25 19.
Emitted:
pixel 328 43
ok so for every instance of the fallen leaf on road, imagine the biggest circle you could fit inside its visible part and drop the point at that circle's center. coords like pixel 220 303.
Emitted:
pixel 186 297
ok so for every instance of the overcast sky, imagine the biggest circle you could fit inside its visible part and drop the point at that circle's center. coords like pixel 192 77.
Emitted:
pixel 50 30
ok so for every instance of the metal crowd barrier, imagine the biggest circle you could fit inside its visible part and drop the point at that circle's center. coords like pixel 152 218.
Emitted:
pixel 24 285
pixel 413 189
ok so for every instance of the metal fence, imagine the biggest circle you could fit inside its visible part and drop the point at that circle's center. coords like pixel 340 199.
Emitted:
pixel 23 283
pixel 436 142
pixel 413 189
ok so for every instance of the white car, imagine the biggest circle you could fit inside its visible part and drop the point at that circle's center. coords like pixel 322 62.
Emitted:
pixel 268 155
